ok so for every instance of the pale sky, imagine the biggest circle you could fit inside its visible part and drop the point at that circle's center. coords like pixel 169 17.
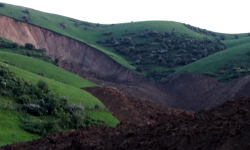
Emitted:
pixel 226 16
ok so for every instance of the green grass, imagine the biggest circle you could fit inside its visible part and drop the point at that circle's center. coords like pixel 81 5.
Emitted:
pixel 235 42
pixel 10 131
pixel 10 119
pixel 49 70
pixel 236 55
pixel 94 33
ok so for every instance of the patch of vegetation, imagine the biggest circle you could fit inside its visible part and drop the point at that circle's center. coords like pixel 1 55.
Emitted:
pixel 47 112
pixel 164 49
pixel 27 50
pixel 159 64
pixel 44 69
pixel 225 65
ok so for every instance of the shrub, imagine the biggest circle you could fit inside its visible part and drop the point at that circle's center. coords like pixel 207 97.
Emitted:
pixel 34 109
pixel 26 18
pixel 41 74
pixel 138 69
pixel 29 46
pixel 26 11
pixel 62 25
pixel 248 34
pixel 43 86
pixel 23 99
pixel 2 5
pixel 223 37
pixel 236 36
pixel 73 108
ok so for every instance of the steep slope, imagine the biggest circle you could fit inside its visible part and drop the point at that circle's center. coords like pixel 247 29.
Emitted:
pixel 81 59
pixel 73 55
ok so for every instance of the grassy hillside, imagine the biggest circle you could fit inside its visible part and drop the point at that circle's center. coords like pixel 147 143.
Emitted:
pixel 225 65
pixel 48 70
pixel 93 32
pixel 61 82
pixel 155 49
pixel 10 130
pixel 74 95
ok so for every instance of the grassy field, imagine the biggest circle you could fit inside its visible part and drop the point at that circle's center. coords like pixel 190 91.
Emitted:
pixel 10 131
pixel 222 63
pixel 90 33
pixel 93 32
pixel 49 70
pixel 74 94
pixel 61 82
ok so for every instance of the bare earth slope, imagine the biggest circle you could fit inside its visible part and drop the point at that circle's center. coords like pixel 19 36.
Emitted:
pixel 73 55
pixel 186 91
pixel 196 92
pixel 225 127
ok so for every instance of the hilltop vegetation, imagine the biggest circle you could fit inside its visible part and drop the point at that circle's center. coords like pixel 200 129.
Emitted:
pixel 155 49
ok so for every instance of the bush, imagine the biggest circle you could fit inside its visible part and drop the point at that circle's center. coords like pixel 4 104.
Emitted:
pixel 138 69
pixel 236 36
pixel 34 109
pixel 2 5
pixel 223 37
pixel 29 46
pixel 26 11
pixel 43 86
pixel 23 99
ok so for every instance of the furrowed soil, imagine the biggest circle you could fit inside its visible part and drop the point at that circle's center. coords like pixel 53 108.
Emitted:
pixel 146 125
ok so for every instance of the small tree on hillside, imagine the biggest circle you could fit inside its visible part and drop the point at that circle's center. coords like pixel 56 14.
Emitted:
pixel 29 46
pixel 236 36
pixel 223 37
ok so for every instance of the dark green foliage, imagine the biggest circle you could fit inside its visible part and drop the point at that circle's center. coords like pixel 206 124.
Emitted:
pixel 198 30
pixel 56 61
pixel 41 74
pixel 62 25
pixel 51 113
pixel 138 69
pixel 43 86
pixel 29 46
pixel 15 48
pixel 223 37
pixel 236 36
pixel 23 99
pixel 26 11
pixel 26 18
pixel 2 5
pixel 165 49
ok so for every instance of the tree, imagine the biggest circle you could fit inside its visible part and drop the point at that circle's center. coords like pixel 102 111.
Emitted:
pixel 43 86
pixel 236 36
pixel 223 37
pixel 29 46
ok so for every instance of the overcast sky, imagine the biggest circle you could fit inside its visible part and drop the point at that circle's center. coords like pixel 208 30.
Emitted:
pixel 226 16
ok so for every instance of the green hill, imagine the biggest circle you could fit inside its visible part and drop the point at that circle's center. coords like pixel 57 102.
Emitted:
pixel 225 65
pixel 153 48
pixel 60 82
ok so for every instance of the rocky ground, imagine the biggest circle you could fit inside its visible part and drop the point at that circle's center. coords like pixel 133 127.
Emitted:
pixel 146 125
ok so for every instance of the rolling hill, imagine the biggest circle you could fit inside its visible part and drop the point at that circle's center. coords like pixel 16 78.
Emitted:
pixel 155 49
pixel 61 82
pixel 49 62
